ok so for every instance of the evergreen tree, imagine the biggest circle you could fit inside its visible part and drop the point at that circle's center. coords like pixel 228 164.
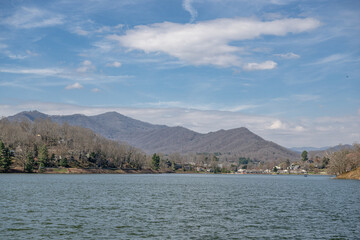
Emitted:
pixel 5 157
pixel 2 149
pixel 43 156
pixel 64 163
pixel 53 160
pixel 36 151
pixel 304 156
pixel 29 164
pixel 155 162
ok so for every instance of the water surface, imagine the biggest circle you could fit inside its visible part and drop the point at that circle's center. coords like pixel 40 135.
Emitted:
pixel 175 206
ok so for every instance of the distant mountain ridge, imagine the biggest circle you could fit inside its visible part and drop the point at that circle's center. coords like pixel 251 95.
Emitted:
pixel 308 149
pixel 327 151
pixel 160 138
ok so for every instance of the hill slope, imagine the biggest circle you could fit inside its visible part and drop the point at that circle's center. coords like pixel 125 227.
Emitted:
pixel 354 174
pixel 159 138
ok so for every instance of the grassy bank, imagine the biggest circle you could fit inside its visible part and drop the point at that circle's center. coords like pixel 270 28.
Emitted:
pixel 355 174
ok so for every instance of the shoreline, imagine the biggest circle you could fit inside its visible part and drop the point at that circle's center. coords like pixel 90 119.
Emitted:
pixel 352 175
pixel 19 170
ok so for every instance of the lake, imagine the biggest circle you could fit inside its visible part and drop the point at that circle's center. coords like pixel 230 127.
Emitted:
pixel 178 206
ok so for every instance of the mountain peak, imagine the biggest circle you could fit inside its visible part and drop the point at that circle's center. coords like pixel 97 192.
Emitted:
pixel 159 138
pixel 28 115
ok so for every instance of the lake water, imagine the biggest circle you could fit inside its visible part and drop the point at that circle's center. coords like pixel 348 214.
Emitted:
pixel 176 206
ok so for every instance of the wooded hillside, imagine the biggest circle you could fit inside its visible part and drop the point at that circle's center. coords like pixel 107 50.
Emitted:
pixel 43 143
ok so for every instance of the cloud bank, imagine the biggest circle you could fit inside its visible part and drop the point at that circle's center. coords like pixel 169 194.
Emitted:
pixel 209 42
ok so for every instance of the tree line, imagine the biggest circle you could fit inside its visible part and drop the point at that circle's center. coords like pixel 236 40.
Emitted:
pixel 34 146
pixel 345 160
pixel 43 143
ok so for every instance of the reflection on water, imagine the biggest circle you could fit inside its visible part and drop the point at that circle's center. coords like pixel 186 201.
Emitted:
pixel 178 206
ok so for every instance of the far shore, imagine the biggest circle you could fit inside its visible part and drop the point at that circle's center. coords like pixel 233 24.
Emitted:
pixel 132 171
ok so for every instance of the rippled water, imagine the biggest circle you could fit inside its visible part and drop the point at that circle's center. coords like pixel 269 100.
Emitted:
pixel 178 206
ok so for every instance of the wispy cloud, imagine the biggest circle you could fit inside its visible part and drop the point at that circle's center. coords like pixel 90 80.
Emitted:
pixel 79 31
pixel 289 55
pixel 27 17
pixel 36 71
pixel 22 56
pixel 90 28
pixel 187 5
pixel 331 58
pixel 16 56
pixel 239 108
pixel 74 86
pixel 115 64
pixel 208 43
pixel 267 65
pixel 86 66
pixel 305 97
pixel 69 74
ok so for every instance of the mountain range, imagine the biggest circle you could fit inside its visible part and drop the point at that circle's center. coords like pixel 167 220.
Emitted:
pixel 160 138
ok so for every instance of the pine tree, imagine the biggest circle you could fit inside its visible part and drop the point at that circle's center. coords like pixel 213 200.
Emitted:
pixel 36 151
pixel 304 156
pixel 155 162
pixel 43 156
pixel 2 149
pixel 29 164
pixel 64 162
pixel 5 157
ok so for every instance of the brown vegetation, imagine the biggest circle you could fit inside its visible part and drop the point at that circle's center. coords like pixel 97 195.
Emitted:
pixel 345 160
pixel 355 174
pixel 49 144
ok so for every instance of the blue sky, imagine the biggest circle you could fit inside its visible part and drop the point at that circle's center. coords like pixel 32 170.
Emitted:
pixel 287 70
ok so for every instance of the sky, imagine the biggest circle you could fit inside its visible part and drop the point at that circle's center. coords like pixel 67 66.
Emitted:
pixel 287 70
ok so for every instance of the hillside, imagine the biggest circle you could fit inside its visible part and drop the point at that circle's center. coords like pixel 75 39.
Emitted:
pixel 328 151
pixel 159 138
pixel 354 174
pixel 43 144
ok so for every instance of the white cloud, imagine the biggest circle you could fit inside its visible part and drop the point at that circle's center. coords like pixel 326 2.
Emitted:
pixel 95 90
pixel 317 132
pixel 20 56
pixel 89 28
pixel 86 66
pixel 331 58
pixel 89 77
pixel 208 42
pixel 74 86
pixel 240 108
pixel 33 18
pixel 79 31
pixel 289 55
pixel 277 124
pixel 187 5
pixel 114 64
pixel 15 56
pixel 267 65
pixel 36 71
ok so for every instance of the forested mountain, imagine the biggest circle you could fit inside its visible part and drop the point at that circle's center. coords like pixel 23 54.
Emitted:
pixel 151 138
pixel 330 150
